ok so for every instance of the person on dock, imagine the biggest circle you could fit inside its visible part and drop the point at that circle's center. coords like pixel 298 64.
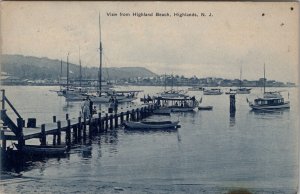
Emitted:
pixel 94 110
pixel 85 108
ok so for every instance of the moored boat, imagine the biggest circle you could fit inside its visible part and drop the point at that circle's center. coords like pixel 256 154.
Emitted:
pixel 270 100
pixel 196 88
pixel 205 107
pixel 157 125
pixel 185 104
pixel 213 91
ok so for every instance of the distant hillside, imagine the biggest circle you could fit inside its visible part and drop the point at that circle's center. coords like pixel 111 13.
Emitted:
pixel 27 67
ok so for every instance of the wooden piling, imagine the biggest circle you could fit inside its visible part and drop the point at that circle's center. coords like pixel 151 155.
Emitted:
pixel 20 124
pixel 132 115
pixel 91 128
pixel 232 103
pixel 68 134
pixel 75 133
pixel 137 114
pixel 127 115
pixel 99 123
pixel 79 125
pixel 111 121
pixel 43 135
pixel 116 120
pixel 3 140
pixel 84 128
pixel 106 121
pixel 58 133
pixel 121 117
pixel 54 119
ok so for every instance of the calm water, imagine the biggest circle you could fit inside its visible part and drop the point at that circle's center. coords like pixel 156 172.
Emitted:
pixel 211 152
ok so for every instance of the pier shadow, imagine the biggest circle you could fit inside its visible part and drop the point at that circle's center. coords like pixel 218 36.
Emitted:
pixel 16 161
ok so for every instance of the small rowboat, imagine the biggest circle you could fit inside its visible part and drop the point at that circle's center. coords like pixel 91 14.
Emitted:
pixel 44 150
pixel 205 107
pixel 158 125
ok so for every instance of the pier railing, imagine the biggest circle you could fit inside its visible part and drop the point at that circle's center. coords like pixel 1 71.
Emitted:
pixel 5 99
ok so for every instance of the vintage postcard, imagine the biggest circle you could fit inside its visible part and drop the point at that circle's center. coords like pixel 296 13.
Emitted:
pixel 149 97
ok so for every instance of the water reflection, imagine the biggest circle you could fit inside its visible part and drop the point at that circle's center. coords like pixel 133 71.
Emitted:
pixel 86 150
pixel 232 119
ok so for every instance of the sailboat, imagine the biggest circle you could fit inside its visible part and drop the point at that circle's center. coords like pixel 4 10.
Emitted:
pixel 270 100
pixel 107 96
pixel 240 90
pixel 172 93
pixel 74 93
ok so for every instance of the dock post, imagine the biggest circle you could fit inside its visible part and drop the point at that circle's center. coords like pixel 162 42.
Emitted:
pixel 111 121
pixel 91 128
pixel 132 115
pixel 79 129
pixel 3 140
pixel 99 122
pixel 54 119
pixel 68 134
pixel 84 128
pixel 122 117
pixel 106 121
pixel 43 135
pixel 58 132
pixel 232 104
pixel 138 114
pixel 127 115
pixel 116 120
pixel 67 116
pixel 20 124
pixel 75 133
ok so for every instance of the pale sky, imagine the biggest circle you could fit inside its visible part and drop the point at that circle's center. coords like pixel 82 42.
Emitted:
pixel 236 35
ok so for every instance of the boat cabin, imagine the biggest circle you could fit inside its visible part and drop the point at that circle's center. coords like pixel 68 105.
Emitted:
pixel 269 101
pixel 176 102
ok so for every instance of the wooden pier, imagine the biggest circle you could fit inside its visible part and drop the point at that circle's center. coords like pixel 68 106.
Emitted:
pixel 75 130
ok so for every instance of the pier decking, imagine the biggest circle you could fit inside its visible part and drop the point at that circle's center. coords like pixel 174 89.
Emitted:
pixel 75 129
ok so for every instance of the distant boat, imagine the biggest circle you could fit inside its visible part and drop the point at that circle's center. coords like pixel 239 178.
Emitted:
pixel 158 125
pixel 172 93
pixel 213 91
pixel 196 88
pixel 230 92
pixel 270 100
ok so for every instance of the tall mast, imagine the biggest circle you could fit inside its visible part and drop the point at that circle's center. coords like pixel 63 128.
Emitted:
pixel 241 76
pixel 80 73
pixel 68 71
pixel 100 56
pixel 60 73
pixel 172 82
pixel 165 82
pixel 264 78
